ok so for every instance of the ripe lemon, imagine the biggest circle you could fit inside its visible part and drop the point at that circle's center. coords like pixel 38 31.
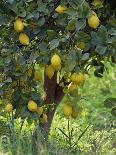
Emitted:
pixel 32 106
pixel 81 79
pixel 67 110
pixel 43 118
pixel 78 78
pixel 24 39
pixel 74 114
pixel 49 71
pixel 74 77
pixel 37 76
pixel 93 21
pixel 39 110
pixel 55 60
pixel 81 45
pixel 57 68
pixel 9 107
pixel 18 25
pixel 60 9
pixel 72 86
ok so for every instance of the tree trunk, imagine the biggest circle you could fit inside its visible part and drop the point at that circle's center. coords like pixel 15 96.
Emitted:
pixel 53 94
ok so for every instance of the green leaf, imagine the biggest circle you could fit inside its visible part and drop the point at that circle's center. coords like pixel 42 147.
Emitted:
pixel 54 43
pixel 101 49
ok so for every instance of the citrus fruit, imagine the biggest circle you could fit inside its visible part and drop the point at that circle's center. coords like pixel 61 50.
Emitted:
pixel 72 86
pixel 24 39
pixel 60 9
pixel 9 107
pixel 55 60
pixel 39 110
pixel 32 106
pixel 67 110
pixel 93 21
pixel 18 25
pixel 49 71
pixel 81 45
pixel 43 118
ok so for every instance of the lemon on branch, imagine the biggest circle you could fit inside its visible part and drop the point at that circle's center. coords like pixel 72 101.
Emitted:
pixel 55 60
pixel 43 118
pixel 39 110
pixel 60 9
pixel 57 68
pixel 74 113
pixel 49 71
pixel 93 21
pixel 9 107
pixel 23 39
pixel 18 25
pixel 67 110
pixel 81 45
pixel 32 106
pixel 78 78
pixel 72 86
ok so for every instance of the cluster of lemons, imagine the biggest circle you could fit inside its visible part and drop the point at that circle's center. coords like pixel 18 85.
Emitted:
pixel 19 27
pixel 32 107
pixel 54 66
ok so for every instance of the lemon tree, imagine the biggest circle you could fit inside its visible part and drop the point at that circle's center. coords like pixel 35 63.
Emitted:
pixel 58 39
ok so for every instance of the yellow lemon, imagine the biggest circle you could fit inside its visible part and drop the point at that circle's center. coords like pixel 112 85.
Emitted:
pixel 74 114
pixel 40 110
pixel 60 9
pixel 72 86
pixel 57 68
pixel 9 107
pixel 67 110
pixel 55 60
pixel 18 25
pixel 93 21
pixel 74 77
pixel 24 39
pixel 32 106
pixel 43 118
pixel 81 45
pixel 37 76
pixel 49 71
pixel 81 79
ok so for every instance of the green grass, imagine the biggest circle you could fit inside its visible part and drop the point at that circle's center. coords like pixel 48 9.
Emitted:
pixel 98 139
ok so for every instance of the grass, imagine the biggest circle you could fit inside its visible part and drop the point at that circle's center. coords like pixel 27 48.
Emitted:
pixel 98 139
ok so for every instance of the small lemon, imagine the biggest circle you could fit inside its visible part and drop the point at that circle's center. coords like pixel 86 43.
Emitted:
pixel 93 21
pixel 72 86
pixel 18 25
pixel 55 60
pixel 81 45
pixel 49 71
pixel 9 107
pixel 67 110
pixel 37 76
pixel 40 110
pixel 43 118
pixel 74 114
pixel 81 79
pixel 32 106
pixel 74 77
pixel 24 39
pixel 57 68
pixel 60 9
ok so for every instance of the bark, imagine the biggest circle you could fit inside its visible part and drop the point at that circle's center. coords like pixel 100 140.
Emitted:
pixel 53 94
